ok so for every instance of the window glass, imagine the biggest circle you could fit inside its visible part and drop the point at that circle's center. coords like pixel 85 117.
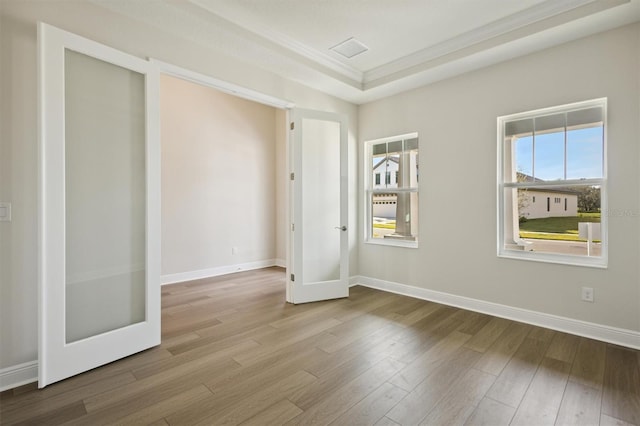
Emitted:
pixel 556 155
pixel 549 156
pixel 585 153
pixel 392 216
pixel 524 155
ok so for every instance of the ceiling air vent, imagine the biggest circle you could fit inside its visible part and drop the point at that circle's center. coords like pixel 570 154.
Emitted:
pixel 350 48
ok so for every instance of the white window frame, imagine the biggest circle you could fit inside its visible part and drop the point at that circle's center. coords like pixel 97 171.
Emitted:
pixel 369 191
pixel 566 259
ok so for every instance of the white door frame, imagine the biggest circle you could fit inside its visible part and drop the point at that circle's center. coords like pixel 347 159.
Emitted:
pixel 245 93
pixel 290 108
pixel 223 86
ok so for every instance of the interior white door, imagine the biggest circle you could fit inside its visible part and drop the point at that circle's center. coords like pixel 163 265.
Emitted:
pixel 320 238
pixel 99 273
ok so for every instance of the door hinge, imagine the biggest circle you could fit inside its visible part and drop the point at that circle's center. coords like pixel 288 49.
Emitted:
pixel 293 277
pixel 293 227
pixel 293 125
pixel 292 176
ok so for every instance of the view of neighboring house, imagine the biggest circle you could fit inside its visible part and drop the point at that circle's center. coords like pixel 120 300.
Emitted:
pixel 541 203
pixel 393 174
pixel 385 175
pixel 537 203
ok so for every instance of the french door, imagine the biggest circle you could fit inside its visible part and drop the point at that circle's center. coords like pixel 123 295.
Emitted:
pixel 99 273
pixel 319 257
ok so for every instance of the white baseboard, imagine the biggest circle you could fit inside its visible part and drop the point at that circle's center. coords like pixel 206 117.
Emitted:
pixel 618 336
pixel 281 263
pixel 18 375
pixel 27 372
pixel 214 272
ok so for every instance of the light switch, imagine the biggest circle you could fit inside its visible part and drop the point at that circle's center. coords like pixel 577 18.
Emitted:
pixel 5 212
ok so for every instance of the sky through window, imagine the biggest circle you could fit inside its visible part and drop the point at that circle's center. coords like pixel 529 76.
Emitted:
pixel 546 159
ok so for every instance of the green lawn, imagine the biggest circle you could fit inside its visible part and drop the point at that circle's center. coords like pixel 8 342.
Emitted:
pixel 555 237
pixel 556 228
pixel 385 225
pixel 551 228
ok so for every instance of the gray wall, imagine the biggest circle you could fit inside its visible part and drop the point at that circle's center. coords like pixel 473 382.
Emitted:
pixel 19 128
pixel 219 202
pixel 456 121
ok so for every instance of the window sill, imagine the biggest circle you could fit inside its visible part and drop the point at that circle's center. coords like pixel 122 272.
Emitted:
pixel 590 262
pixel 392 243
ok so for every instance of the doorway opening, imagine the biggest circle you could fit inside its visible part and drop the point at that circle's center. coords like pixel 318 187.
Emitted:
pixel 224 181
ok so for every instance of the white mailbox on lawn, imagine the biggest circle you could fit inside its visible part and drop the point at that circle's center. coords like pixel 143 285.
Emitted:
pixel 589 231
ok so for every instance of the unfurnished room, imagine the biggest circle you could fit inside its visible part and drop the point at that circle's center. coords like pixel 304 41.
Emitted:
pixel 314 212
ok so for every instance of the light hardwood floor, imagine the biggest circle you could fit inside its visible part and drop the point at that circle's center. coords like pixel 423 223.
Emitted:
pixel 234 352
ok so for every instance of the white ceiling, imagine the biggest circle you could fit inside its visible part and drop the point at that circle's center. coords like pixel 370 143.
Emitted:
pixel 391 29
pixel 411 42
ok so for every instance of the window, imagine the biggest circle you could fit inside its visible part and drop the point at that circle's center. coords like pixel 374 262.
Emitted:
pixel 377 178
pixel 392 208
pixel 557 153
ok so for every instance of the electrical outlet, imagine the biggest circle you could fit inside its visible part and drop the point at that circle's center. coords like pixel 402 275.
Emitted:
pixel 587 294
pixel 234 250
pixel 5 212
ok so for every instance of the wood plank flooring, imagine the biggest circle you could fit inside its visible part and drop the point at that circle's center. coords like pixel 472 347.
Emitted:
pixel 233 352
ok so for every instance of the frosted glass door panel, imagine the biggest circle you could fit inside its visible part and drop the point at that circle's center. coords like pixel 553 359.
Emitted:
pixel 105 193
pixel 320 237
pixel 321 200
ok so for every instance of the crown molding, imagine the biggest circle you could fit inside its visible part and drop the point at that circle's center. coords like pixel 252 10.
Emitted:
pixel 545 25
pixel 423 59
pixel 291 45
pixel 499 31
pixel 519 26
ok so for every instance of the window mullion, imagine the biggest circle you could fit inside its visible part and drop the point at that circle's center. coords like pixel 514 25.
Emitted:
pixel 533 154
pixel 565 146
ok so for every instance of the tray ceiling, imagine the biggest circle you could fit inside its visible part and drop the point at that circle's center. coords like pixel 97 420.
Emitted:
pixel 410 42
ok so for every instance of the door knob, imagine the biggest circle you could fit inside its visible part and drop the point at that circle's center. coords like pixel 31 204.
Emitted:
pixel 342 228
